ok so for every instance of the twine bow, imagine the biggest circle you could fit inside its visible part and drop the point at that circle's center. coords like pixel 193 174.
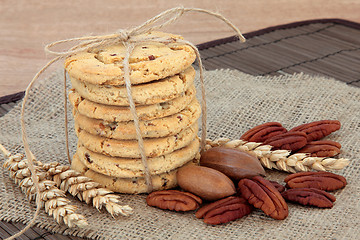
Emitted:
pixel 129 38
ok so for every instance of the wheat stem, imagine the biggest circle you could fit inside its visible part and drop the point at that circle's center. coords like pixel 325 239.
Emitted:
pixel 281 159
pixel 67 180
pixel 86 189
pixel 52 198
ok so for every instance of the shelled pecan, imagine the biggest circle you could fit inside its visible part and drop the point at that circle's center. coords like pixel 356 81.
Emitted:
pixel 318 129
pixel 321 148
pixel 262 194
pixel 173 200
pixel 278 186
pixel 262 132
pixel 321 180
pixel 224 210
pixel 310 197
pixel 292 141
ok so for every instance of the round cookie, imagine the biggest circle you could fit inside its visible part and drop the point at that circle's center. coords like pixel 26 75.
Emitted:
pixel 143 94
pixel 148 61
pixel 127 167
pixel 77 165
pixel 122 114
pixel 159 127
pixel 154 147
pixel 129 185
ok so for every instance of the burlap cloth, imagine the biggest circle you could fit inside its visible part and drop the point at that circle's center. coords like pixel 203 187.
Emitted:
pixel 236 102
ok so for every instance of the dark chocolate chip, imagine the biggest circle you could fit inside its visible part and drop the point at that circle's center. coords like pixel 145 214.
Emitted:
pixel 87 157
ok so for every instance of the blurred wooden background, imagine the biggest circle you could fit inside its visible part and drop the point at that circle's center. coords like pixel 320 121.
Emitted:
pixel 27 25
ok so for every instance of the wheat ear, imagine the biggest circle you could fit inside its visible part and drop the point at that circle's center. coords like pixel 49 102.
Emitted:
pixel 86 189
pixel 281 159
pixel 53 199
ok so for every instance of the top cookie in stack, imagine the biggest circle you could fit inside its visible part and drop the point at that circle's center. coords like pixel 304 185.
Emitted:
pixel 164 94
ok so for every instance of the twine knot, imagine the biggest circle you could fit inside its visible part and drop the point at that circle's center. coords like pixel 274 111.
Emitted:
pixel 123 35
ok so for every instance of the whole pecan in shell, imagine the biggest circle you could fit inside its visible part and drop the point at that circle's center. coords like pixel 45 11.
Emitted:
pixel 224 210
pixel 321 148
pixel 262 194
pixel 318 129
pixel 321 180
pixel 207 183
pixel 292 141
pixel 234 163
pixel 278 186
pixel 173 200
pixel 310 197
pixel 262 132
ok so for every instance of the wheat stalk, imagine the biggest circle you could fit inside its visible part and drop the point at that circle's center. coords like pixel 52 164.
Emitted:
pixel 52 198
pixel 281 159
pixel 86 189
pixel 67 180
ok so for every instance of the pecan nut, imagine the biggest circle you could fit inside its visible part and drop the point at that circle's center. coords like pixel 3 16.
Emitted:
pixel 292 141
pixel 310 197
pixel 318 129
pixel 260 193
pixel 321 148
pixel 234 163
pixel 321 180
pixel 207 183
pixel 173 200
pixel 224 210
pixel 278 186
pixel 262 132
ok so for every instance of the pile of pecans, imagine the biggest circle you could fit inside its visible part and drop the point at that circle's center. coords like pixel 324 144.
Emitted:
pixel 305 138
pixel 222 169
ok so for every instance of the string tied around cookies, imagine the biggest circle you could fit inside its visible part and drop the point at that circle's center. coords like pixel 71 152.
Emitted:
pixel 129 38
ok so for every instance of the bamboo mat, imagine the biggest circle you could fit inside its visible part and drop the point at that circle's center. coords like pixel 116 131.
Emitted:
pixel 326 47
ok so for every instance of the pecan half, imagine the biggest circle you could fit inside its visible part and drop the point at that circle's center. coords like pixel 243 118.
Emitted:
pixel 318 129
pixel 262 132
pixel 278 186
pixel 260 193
pixel 224 210
pixel 292 141
pixel 173 200
pixel 321 180
pixel 310 197
pixel 321 148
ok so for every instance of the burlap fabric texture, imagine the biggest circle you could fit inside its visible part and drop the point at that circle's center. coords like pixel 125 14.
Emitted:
pixel 236 102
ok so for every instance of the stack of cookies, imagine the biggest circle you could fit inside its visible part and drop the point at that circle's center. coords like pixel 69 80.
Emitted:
pixel 164 94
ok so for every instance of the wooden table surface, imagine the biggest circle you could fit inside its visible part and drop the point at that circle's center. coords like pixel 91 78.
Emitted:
pixel 27 25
